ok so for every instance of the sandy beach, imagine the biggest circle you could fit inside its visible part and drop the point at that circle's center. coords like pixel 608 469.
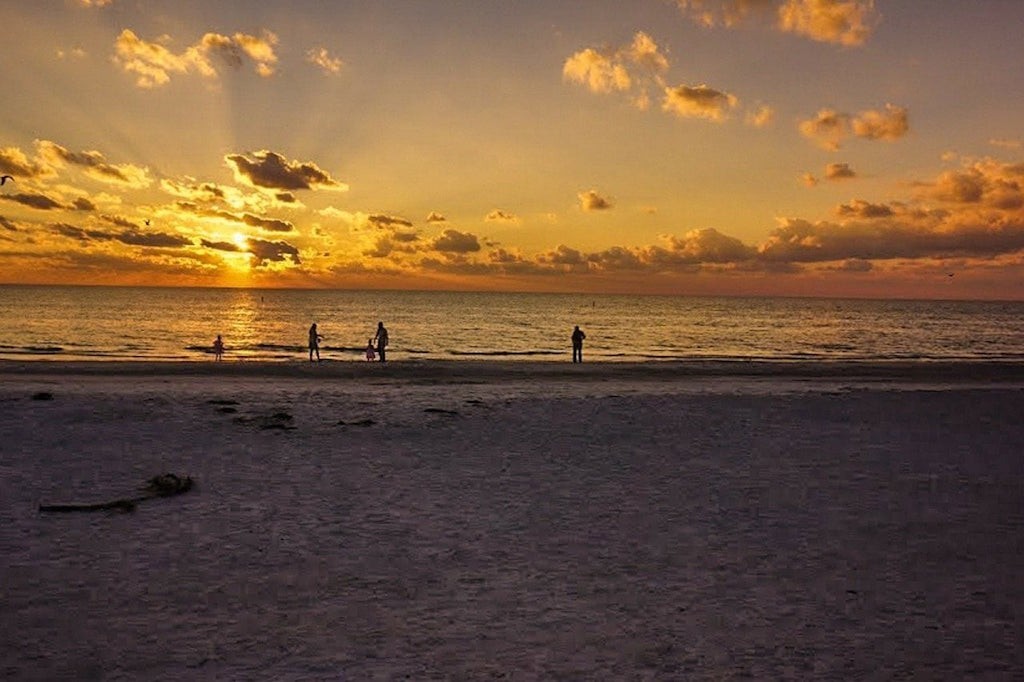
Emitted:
pixel 481 520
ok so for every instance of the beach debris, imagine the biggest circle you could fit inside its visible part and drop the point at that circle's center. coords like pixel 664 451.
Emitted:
pixel 361 422
pixel 281 421
pixel 440 410
pixel 163 485
pixel 42 395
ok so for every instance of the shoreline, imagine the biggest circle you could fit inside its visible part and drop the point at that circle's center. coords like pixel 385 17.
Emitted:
pixel 975 372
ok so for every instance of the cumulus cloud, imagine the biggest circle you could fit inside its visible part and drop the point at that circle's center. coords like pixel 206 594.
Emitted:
pixel 827 129
pixel 845 22
pixel 842 22
pixel 83 204
pixel 704 245
pixel 592 201
pixel 320 56
pixel 95 165
pixel 890 124
pixel 808 180
pixel 14 162
pixel 436 217
pixel 453 241
pixel 839 171
pixel 153 64
pixel 698 102
pixel 830 128
pixel 270 170
pixel 986 183
pixel 632 68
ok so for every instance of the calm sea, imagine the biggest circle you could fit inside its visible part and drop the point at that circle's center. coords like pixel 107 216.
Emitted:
pixel 115 323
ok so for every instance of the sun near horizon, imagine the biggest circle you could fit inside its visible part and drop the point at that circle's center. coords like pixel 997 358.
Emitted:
pixel 788 147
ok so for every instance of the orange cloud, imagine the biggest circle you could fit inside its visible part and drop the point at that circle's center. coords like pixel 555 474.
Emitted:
pixel 592 201
pixel 698 102
pixel 153 63
pixel 843 22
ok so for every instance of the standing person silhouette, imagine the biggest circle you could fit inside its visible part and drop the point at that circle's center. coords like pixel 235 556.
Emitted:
pixel 577 344
pixel 218 348
pixel 314 343
pixel 381 337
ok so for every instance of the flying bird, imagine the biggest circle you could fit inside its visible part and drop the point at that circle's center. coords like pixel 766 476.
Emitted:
pixel 5 178
pixel 147 222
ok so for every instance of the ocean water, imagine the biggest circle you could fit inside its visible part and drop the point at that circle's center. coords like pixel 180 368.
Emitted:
pixel 119 323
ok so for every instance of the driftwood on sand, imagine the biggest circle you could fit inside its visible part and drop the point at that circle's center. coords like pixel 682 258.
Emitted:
pixel 164 485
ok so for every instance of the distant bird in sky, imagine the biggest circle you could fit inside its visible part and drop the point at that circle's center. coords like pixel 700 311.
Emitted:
pixel 147 222
pixel 5 178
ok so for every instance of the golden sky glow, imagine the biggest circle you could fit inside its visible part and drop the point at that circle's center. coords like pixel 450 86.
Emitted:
pixel 816 147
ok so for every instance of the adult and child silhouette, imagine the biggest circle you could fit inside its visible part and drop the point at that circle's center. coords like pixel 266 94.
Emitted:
pixel 376 347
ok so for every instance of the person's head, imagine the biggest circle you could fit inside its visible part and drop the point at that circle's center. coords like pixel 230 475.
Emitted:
pixel 576 328
pixel 380 325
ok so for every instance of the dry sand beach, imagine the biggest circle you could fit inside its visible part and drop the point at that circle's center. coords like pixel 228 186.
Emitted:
pixel 514 520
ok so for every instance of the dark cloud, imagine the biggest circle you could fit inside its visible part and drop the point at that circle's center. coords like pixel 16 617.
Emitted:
pixel 37 201
pixel 7 224
pixel 119 221
pixel 386 222
pixel 83 204
pixel 285 197
pixel 859 208
pixel 268 224
pixel 272 171
pixel 839 171
pixel 219 246
pixel 264 252
pixel 153 239
pixel 453 241
pixel 131 237
pixel 436 217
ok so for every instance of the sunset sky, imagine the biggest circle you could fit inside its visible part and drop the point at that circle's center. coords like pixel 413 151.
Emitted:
pixel 796 147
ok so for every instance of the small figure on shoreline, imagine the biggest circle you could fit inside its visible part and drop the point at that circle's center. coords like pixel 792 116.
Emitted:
pixel 381 337
pixel 370 354
pixel 314 343
pixel 577 344
pixel 218 348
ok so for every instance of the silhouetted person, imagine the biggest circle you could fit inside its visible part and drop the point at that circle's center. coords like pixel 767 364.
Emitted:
pixel 218 348
pixel 577 344
pixel 381 337
pixel 314 343
pixel 371 355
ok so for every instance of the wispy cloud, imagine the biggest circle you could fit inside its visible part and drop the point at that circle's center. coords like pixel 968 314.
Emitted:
pixel 321 57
